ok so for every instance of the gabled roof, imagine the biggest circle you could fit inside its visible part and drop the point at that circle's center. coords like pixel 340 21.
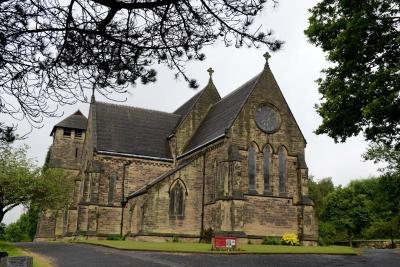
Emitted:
pixel 133 131
pixel 188 105
pixel 74 121
pixel 221 116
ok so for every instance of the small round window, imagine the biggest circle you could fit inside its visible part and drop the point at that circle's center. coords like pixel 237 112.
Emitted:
pixel 267 118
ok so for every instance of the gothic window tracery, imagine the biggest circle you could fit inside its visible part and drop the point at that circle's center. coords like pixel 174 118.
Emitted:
pixel 177 200
pixel 252 168
pixel 282 169
pixel 267 167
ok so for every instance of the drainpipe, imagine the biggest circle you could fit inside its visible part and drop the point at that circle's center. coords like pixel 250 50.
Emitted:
pixel 123 201
pixel 203 197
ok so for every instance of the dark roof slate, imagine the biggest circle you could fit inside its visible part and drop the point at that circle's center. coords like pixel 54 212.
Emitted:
pixel 188 105
pixel 135 131
pixel 75 121
pixel 221 115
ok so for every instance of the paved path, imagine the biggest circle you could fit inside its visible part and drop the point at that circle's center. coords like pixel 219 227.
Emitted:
pixel 68 255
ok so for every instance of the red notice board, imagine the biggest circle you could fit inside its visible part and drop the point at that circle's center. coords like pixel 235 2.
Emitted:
pixel 224 242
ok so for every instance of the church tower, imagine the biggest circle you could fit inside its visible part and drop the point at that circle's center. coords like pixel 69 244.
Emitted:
pixel 68 137
pixel 65 153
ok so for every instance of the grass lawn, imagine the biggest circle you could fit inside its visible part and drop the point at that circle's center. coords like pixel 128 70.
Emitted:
pixel 206 248
pixel 38 261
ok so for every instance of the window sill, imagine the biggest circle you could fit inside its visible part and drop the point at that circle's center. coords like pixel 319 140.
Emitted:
pixel 176 217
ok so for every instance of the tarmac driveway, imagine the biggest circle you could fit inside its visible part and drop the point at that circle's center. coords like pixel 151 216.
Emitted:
pixel 68 255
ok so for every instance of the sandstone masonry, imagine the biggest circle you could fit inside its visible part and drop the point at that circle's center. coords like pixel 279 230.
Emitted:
pixel 234 164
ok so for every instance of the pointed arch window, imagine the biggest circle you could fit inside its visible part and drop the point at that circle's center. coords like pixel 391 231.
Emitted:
pixel 177 200
pixel 267 167
pixel 251 157
pixel 282 169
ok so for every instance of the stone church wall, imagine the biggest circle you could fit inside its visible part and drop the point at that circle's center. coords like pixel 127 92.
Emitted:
pixel 194 118
pixel 268 216
pixel 100 207
pixel 66 151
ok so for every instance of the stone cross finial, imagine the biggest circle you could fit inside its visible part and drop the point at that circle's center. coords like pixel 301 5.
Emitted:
pixel 210 72
pixel 267 56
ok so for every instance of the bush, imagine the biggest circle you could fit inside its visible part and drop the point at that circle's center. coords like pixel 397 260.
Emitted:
pixel 175 239
pixel 290 239
pixel 327 234
pixel 15 233
pixel 115 237
pixel 2 231
pixel 268 240
pixel 207 235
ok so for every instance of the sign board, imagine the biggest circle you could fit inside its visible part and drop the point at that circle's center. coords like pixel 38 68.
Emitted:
pixel 224 242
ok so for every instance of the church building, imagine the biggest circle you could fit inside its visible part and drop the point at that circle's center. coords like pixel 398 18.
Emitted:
pixel 235 165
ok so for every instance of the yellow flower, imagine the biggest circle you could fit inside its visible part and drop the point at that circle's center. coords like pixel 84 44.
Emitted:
pixel 290 239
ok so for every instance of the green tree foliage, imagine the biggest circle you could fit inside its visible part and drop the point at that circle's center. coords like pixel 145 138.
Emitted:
pixel 360 89
pixel 24 229
pixel 2 231
pixel 18 231
pixel 366 209
pixel 21 182
pixel 319 190
pixel 382 153
pixel 347 211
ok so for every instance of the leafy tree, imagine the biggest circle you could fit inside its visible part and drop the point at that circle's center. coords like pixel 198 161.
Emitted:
pixel 380 152
pixel 360 89
pixel 33 217
pixel 18 231
pixel 319 190
pixel 2 231
pixel 388 201
pixel 22 183
pixel 347 211
pixel 56 50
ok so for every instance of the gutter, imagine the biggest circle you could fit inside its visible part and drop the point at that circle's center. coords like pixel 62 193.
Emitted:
pixel 201 146
pixel 111 153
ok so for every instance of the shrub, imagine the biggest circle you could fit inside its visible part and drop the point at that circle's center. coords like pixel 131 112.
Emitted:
pixel 2 231
pixel 115 237
pixel 15 233
pixel 327 234
pixel 268 240
pixel 290 239
pixel 175 239
pixel 207 235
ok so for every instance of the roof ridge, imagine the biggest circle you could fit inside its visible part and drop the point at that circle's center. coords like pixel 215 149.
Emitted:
pixel 133 107
pixel 197 95
pixel 238 88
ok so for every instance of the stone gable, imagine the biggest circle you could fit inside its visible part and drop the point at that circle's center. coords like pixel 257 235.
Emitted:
pixel 211 164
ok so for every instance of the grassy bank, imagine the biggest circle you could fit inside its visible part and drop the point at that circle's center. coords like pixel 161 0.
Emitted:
pixel 38 261
pixel 206 248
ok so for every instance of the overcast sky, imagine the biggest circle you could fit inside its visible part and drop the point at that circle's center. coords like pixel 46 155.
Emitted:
pixel 296 67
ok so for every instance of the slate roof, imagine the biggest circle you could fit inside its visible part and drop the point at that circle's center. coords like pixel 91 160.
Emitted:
pixel 134 131
pixel 75 121
pixel 188 105
pixel 221 115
